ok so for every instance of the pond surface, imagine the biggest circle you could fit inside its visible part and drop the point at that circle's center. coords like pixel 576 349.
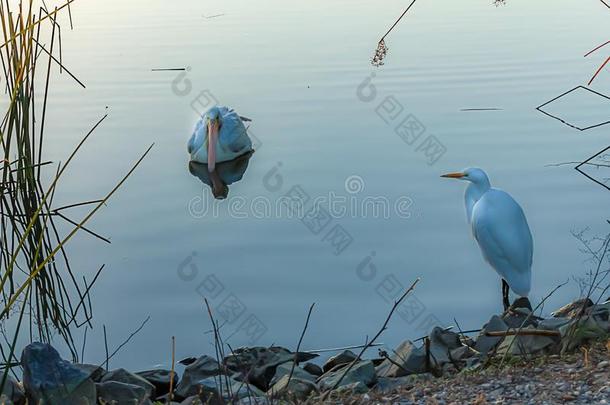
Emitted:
pixel 325 129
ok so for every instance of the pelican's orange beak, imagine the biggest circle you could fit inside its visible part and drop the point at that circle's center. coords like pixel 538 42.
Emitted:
pixel 457 175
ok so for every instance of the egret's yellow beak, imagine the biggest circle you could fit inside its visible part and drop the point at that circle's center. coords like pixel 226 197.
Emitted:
pixel 457 175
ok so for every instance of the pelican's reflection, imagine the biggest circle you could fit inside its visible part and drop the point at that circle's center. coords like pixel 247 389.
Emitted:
pixel 226 173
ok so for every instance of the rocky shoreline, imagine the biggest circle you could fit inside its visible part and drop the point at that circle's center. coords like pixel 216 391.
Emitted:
pixel 516 358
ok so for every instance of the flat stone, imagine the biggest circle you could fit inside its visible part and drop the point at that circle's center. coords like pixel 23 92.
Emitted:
pixel 572 309
pixel 389 384
pixel 295 388
pixel 410 360
pixel 95 372
pixel 126 377
pixel 203 368
pixel 345 357
pixel 313 369
pixel 363 372
pixel 160 379
pixel 442 342
pixel 353 388
pixel 525 344
pixel 486 343
pixel 119 393
pixel 284 369
pixel 258 364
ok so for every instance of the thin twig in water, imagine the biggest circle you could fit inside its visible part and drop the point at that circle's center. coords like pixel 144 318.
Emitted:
pixel 482 109
pixel 167 69
pixel 124 342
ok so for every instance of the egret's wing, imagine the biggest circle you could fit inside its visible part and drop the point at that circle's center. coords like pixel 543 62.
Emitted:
pixel 502 232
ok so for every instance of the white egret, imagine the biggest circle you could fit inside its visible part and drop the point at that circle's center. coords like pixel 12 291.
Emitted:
pixel 219 136
pixel 501 230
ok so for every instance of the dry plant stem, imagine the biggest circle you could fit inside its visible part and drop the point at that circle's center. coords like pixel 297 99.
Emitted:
pixel 596 48
pixel 383 328
pixel 218 350
pixel 107 362
pixel 535 332
pixel 397 21
pixel 598 71
pixel 296 353
pixel 23 31
pixel 44 262
pixel 581 313
pixel 338 349
pixel 171 373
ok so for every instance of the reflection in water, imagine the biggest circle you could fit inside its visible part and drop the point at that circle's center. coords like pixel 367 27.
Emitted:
pixel 226 173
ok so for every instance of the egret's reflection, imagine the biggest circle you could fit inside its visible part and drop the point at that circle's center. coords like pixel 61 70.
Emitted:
pixel 225 174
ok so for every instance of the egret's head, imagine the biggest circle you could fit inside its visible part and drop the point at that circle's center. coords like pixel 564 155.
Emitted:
pixel 472 174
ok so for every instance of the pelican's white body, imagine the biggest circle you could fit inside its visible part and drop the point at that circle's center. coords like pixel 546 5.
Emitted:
pixel 501 230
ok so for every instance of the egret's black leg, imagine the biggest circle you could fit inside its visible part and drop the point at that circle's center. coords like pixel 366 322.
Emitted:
pixel 505 290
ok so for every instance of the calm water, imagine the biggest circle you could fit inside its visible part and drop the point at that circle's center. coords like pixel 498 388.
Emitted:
pixel 295 68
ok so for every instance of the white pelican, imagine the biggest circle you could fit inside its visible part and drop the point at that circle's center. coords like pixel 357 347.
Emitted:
pixel 500 228
pixel 219 136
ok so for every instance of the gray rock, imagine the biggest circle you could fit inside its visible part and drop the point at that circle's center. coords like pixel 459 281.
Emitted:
pixel 353 388
pixel 296 388
pixel 410 360
pixel 48 379
pixel 573 309
pixel 203 368
pixel 463 353
pixel 241 390
pixel 209 390
pixel 525 344
pixel 486 343
pixel 313 369
pixel 119 393
pixel 284 369
pixel 442 342
pixel 553 323
pixel 160 379
pixel 95 372
pixel 345 357
pixel 258 364
pixel 389 384
pixel 580 330
pixel 363 372
pixel 520 317
pixel 123 376
pixel 12 392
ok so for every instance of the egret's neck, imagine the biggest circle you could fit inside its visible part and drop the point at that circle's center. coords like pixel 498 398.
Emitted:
pixel 474 192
